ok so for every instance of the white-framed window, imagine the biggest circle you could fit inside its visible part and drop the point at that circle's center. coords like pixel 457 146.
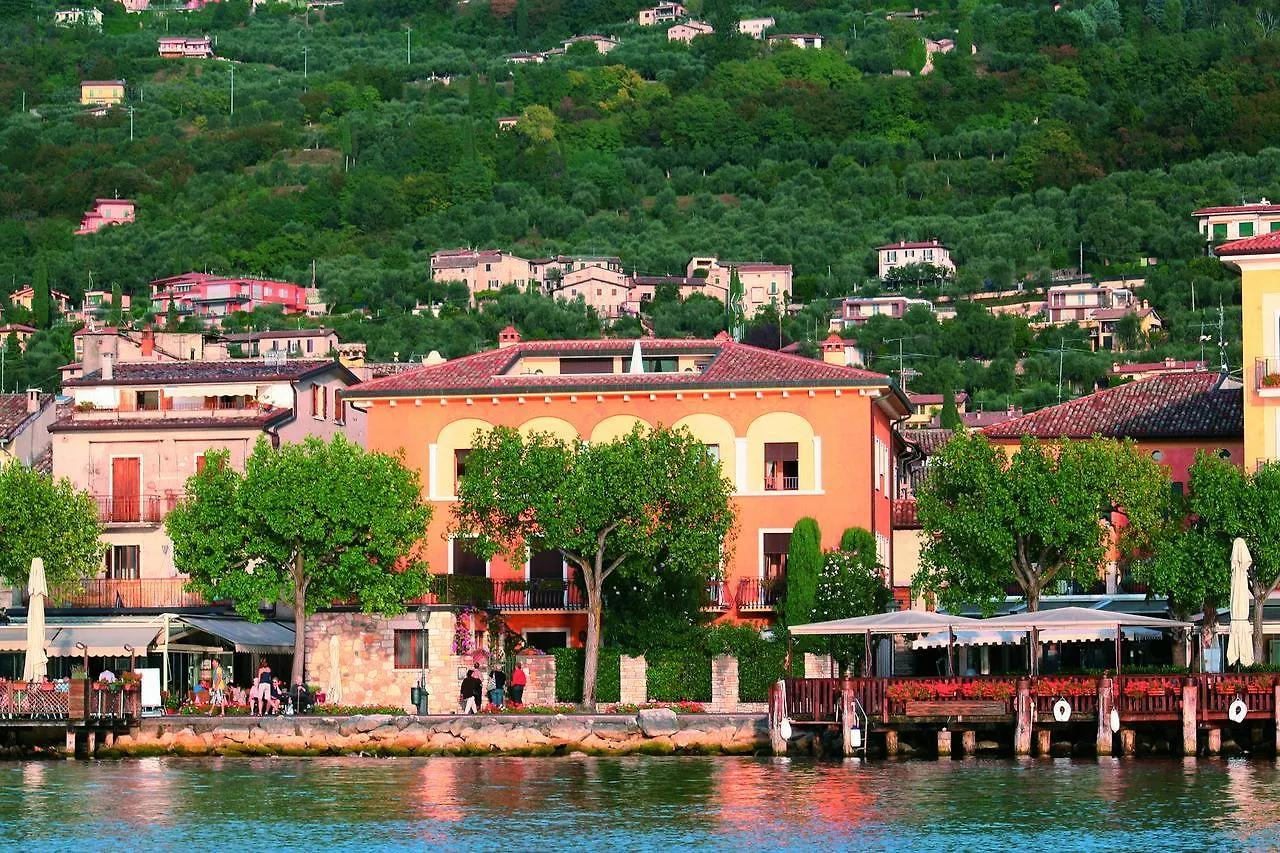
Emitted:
pixel 881 466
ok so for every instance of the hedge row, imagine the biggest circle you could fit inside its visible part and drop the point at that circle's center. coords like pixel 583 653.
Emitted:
pixel 569 663
pixel 676 674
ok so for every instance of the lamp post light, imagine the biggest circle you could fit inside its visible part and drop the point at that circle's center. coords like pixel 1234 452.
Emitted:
pixel 420 699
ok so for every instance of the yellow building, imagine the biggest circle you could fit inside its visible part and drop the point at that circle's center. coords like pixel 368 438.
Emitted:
pixel 1258 260
pixel 102 92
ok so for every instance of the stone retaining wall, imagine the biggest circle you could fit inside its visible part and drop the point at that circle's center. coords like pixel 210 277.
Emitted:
pixel 655 732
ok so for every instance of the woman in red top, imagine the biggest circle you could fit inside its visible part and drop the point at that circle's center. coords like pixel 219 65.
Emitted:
pixel 518 680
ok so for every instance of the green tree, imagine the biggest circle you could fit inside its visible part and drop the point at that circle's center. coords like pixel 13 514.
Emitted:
pixel 115 317
pixel 649 504
pixel 950 416
pixel 47 518
pixel 851 584
pixel 991 519
pixel 41 299
pixel 737 305
pixel 308 524
pixel 804 563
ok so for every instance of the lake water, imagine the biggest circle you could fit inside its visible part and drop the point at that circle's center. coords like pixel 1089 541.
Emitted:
pixel 649 804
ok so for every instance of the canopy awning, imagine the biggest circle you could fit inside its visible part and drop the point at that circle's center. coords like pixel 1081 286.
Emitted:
pixel 1077 619
pixel 897 622
pixel 13 638
pixel 272 638
pixel 100 640
pixel 938 640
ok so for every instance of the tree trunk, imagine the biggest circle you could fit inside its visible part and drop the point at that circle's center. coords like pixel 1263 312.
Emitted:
pixel 1032 593
pixel 1260 597
pixel 592 657
pixel 1208 629
pixel 299 621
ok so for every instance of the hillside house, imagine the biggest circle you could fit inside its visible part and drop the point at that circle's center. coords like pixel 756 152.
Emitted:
pixel 804 41
pixel 688 31
pixel 480 270
pixel 755 27
pixel 185 47
pixel 25 296
pixel 101 92
pixel 903 253
pixel 856 310
pixel 763 284
pixel 91 18
pixel 20 333
pixel 1217 225
pixel 211 296
pixel 107 211
pixel 602 44
pixel 1068 303
pixel 663 13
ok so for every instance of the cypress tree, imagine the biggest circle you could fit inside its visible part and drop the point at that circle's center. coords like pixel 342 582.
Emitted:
pixel 804 564
pixel 950 417
pixel 41 307
pixel 115 317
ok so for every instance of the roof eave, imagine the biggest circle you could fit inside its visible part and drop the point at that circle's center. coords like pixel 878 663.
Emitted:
pixel 489 391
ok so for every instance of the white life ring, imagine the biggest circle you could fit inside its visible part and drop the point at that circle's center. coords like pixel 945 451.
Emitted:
pixel 1062 710
pixel 1238 711
pixel 1115 720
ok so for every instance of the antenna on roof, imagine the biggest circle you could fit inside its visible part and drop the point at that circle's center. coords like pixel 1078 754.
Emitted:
pixel 1222 341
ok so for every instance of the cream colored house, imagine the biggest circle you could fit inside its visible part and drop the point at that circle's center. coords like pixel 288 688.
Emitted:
pixel 137 431
pixel 1220 224
pixel 663 13
pixel 24 426
pixel 688 31
pixel 609 291
pixel 755 27
pixel 480 270
pixel 102 92
pixel 904 253
pixel 804 41
pixel 602 44
pixel 763 284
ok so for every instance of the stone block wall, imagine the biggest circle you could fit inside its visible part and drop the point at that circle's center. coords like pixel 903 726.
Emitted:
pixel 634 672
pixel 724 684
pixel 541 670
pixel 819 666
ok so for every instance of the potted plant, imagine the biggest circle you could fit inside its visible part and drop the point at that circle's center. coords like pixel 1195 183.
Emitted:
pixel 171 702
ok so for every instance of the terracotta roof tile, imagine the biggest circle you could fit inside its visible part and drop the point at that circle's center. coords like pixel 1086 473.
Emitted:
pixel 239 370
pixel 730 364
pixel 1180 405
pixel 930 441
pixel 1240 208
pixel 1263 244
pixel 258 420
pixel 13 412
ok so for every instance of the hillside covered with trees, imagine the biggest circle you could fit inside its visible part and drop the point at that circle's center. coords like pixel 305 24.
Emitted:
pixel 365 136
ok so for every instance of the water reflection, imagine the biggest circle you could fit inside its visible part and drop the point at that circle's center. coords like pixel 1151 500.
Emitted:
pixel 731 804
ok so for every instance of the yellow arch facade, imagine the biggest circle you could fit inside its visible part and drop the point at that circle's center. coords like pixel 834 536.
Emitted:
pixel 779 427
pixel 456 435
pixel 713 430
pixel 558 427
pixel 615 427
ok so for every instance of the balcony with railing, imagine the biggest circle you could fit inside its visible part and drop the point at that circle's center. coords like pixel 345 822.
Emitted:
pixel 781 484
pixel 174 409
pixel 507 595
pixel 125 594
pixel 1266 377
pixel 756 596
pixel 135 509
pixel 718 598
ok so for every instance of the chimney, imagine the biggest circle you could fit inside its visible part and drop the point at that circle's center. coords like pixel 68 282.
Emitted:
pixel 148 342
pixel 108 365
pixel 508 337
pixel 33 400
pixel 833 349
pixel 1170 362
pixel 91 358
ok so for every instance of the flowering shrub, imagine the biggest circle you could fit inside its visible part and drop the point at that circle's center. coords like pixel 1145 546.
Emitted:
pixel 1271 380
pixel 358 710
pixel 1137 687
pixel 1001 690
pixel 463 640
pixel 197 710
pixel 907 691
pixel 681 707
pixel 1064 687
pixel 515 708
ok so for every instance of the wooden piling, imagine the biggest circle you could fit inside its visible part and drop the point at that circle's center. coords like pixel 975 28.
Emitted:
pixel 1106 701
pixel 776 740
pixel 944 743
pixel 891 743
pixel 847 721
pixel 969 743
pixel 71 743
pixel 1214 745
pixel 1022 714
pixel 1190 697
pixel 1044 742
pixel 1128 742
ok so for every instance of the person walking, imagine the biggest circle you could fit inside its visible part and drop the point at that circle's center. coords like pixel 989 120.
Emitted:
pixel 218 689
pixel 470 697
pixel 519 679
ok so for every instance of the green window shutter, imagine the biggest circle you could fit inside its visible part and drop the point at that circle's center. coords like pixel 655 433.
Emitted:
pixel 1246 229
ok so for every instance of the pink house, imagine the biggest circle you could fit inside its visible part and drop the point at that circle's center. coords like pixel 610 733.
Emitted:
pixel 905 253
pixel 137 431
pixel 854 311
pixel 663 13
pixel 185 47
pixel 609 291
pixel 26 296
pixel 486 269
pixel 212 296
pixel 107 211
pixel 688 31
pixel 763 284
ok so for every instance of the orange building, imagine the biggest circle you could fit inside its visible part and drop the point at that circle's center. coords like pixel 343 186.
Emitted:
pixel 797 437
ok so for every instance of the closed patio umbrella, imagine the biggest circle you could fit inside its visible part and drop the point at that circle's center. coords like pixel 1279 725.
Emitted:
pixel 36 666
pixel 333 690
pixel 1240 640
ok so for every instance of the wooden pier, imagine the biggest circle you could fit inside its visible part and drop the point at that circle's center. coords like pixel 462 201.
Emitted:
pixel 87 714
pixel 1025 712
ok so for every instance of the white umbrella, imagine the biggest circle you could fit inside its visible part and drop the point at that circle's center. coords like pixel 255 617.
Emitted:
pixel 333 690
pixel 1240 640
pixel 637 359
pixel 37 663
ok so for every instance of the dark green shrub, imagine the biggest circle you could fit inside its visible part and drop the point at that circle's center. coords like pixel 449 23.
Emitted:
pixel 569 663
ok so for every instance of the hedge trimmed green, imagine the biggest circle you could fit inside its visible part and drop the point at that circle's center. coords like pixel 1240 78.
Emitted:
pixel 569 664
pixel 676 674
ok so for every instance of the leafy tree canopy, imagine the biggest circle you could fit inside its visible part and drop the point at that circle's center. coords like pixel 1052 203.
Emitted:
pixel 47 518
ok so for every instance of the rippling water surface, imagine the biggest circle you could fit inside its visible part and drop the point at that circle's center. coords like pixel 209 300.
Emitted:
pixel 514 804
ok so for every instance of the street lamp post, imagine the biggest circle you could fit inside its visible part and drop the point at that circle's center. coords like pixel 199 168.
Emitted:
pixel 420 699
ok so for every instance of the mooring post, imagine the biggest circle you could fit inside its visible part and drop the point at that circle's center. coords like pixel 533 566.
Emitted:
pixel 776 740
pixel 847 719
pixel 1106 701
pixel 71 743
pixel 969 743
pixel 944 743
pixel 891 743
pixel 1214 745
pixel 1044 742
pixel 1128 742
pixel 1022 716
pixel 92 746
pixel 1190 697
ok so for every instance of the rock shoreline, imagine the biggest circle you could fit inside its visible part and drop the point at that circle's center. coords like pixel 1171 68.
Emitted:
pixel 658 732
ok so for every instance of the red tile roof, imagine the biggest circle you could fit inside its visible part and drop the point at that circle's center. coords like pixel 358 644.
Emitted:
pixel 731 365
pixel 930 441
pixel 1176 405
pixel 1264 244
pixel 1157 366
pixel 261 420
pixel 13 412
pixel 926 244
pixel 934 399
pixel 178 372
pixel 1120 313
pixel 1240 208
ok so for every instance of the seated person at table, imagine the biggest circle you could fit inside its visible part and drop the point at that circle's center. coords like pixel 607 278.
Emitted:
pixel 277 696
pixel 200 693
pixel 301 696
